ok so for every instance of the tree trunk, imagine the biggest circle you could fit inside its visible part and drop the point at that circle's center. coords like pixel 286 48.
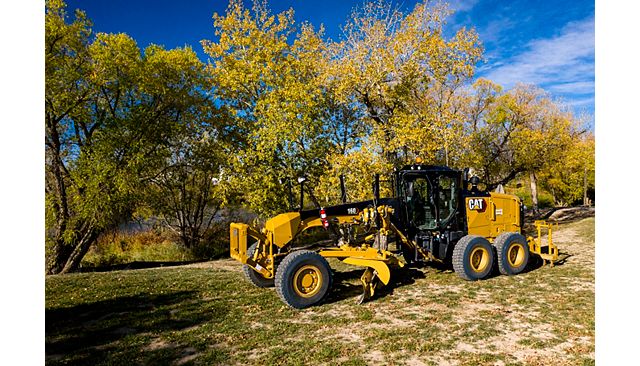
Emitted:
pixel 534 191
pixel 73 262
pixel 585 199
pixel 446 155
pixel 61 252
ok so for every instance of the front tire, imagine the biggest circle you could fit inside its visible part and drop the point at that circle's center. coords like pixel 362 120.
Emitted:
pixel 472 258
pixel 513 253
pixel 303 279
pixel 254 277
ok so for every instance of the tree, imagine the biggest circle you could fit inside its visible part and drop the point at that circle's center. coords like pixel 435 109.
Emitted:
pixel 405 76
pixel 187 193
pixel 267 73
pixel 570 178
pixel 518 131
pixel 66 64
pixel 110 115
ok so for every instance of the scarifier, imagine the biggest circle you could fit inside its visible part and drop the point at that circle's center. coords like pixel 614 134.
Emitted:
pixel 434 216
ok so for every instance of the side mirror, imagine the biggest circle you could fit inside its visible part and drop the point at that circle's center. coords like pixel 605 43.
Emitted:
pixel 474 182
pixel 301 180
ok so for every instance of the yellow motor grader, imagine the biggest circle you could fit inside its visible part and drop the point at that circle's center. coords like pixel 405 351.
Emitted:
pixel 437 214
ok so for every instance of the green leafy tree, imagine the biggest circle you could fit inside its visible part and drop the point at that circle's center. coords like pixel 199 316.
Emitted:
pixel 571 178
pixel 111 116
pixel 187 193
pixel 268 73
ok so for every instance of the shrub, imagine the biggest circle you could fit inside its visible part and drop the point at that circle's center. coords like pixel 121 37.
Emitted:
pixel 145 246
pixel 545 200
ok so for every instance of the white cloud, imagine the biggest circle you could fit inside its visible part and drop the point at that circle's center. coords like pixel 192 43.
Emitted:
pixel 462 5
pixel 564 62
pixel 492 32
pixel 580 102
pixel 577 87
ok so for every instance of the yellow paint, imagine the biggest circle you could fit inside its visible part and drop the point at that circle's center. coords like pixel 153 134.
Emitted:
pixel 348 251
pixel 262 261
pixel 535 245
pixel 381 268
pixel 282 228
pixel 500 212
pixel 307 281
pixel 479 259
pixel 315 222
pixel 368 284
pixel 515 255
pixel 238 242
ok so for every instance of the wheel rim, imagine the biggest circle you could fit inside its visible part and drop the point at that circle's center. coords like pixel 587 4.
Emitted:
pixel 307 281
pixel 515 255
pixel 479 259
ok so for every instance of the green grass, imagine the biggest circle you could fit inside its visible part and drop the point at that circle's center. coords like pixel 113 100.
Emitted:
pixel 211 315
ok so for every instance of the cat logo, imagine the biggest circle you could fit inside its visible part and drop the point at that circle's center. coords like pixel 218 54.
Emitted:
pixel 477 204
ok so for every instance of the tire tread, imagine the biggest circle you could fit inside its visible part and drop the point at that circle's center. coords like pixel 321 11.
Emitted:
pixel 254 277
pixel 499 244
pixel 284 267
pixel 457 259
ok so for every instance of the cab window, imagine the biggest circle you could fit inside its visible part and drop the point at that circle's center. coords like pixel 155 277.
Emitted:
pixel 420 205
pixel 447 197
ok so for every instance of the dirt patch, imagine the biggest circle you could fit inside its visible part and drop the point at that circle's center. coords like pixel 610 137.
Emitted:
pixel 188 354
pixel 158 344
pixel 220 264
pixel 375 357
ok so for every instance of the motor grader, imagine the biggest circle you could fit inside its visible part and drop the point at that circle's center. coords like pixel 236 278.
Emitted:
pixel 437 214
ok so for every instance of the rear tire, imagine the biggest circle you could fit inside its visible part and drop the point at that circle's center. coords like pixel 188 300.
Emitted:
pixel 303 279
pixel 472 258
pixel 253 276
pixel 513 253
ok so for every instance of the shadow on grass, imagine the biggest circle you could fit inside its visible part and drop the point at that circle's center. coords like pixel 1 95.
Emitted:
pixel 118 330
pixel 138 265
pixel 536 262
pixel 342 287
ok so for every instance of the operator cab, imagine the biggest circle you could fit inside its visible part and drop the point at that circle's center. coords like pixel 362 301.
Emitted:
pixel 431 196
pixel 432 205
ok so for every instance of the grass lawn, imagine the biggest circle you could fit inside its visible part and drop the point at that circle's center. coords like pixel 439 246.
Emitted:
pixel 208 314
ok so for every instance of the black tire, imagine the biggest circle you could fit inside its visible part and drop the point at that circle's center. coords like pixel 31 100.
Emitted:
pixel 293 276
pixel 472 258
pixel 253 276
pixel 512 251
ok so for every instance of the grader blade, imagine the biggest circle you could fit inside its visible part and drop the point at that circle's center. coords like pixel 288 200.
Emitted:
pixel 376 270
pixel 369 282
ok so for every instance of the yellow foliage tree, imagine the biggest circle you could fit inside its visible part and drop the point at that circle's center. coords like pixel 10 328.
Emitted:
pixel 405 75
pixel 570 179
pixel 270 74
pixel 518 131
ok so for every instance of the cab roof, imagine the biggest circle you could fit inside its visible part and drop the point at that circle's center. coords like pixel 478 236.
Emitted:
pixel 429 168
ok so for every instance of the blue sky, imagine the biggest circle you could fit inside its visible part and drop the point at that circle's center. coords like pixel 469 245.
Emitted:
pixel 546 43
